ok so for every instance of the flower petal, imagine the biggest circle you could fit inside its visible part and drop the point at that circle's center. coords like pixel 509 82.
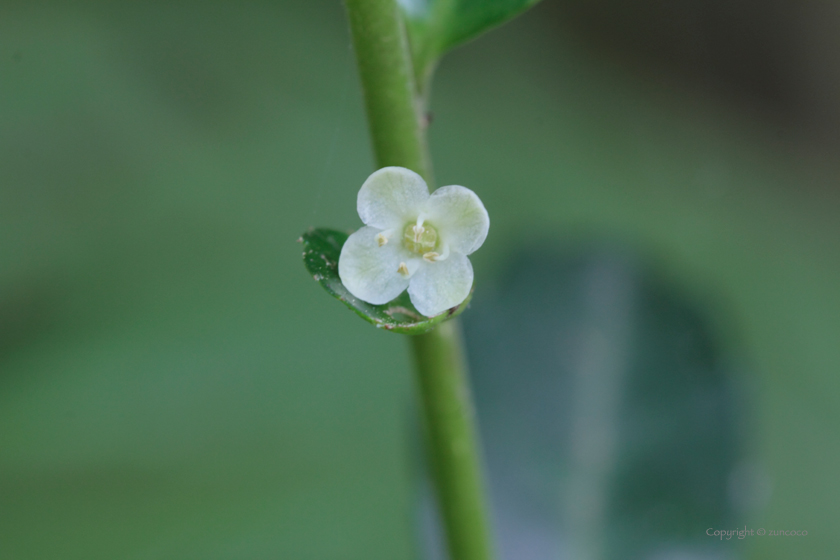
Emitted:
pixel 459 216
pixel 440 285
pixel 370 271
pixel 391 197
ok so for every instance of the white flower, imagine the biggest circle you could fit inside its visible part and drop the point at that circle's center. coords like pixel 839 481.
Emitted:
pixel 413 240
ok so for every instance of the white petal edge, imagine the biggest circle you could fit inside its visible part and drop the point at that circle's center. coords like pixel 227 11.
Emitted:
pixel 440 285
pixel 459 216
pixel 368 271
pixel 391 197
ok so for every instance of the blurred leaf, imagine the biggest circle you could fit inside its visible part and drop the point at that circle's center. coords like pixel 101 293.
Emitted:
pixel 322 248
pixel 611 417
pixel 436 26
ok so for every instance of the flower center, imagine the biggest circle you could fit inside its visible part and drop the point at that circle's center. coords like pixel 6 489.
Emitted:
pixel 420 239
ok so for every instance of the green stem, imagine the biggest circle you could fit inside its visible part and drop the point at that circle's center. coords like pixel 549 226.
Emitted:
pixel 450 429
pixel 387 78
pixel 394 114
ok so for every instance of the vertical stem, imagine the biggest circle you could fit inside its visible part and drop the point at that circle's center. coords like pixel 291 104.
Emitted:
pixel 393 112
pixel 450 429
pixel 385 70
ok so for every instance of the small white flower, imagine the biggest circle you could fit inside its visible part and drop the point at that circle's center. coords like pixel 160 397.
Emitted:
pixel 413 240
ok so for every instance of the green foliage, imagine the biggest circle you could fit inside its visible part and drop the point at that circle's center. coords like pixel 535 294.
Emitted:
pixel 607 350
pixel 436 26
pixel 321 249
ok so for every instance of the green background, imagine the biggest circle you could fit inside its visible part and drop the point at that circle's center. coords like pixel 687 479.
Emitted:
pixel 172 382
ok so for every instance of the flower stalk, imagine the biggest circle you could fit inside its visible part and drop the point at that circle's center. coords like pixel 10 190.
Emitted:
pixel 394 116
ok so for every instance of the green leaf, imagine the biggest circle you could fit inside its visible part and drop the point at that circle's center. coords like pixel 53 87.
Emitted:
pixel 436 26
pixel 606 348
pixel 321 249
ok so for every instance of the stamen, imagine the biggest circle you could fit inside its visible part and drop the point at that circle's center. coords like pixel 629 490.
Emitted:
pixel 436 257
pixel 445 254
pixel 382 237
pixel 403 270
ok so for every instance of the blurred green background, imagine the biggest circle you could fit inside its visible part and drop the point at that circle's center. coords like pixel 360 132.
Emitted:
pixel 174 385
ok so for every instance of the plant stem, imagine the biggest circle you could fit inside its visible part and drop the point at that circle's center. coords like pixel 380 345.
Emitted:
pixel 385 70
pixel 394 115
pixel 451 435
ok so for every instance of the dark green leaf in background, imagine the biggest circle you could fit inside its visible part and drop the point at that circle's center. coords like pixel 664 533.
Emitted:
pixel 436 26
pixel 321 249
pixel 612 418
